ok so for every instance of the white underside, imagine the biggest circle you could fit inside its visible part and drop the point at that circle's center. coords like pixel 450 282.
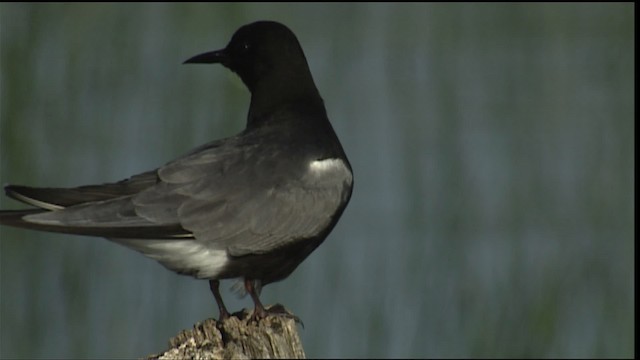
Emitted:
pixel 184 256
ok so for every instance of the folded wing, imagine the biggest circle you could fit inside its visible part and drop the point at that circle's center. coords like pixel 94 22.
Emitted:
pixel 227 197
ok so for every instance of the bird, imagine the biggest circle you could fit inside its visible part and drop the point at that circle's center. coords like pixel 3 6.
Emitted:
pixel 249 207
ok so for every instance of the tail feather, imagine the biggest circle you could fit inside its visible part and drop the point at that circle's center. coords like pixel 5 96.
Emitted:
pixel 63 199
pixel 30 196
pixel 15 218
pixel 59 198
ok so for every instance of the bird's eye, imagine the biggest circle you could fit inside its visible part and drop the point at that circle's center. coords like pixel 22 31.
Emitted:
pixel 246 46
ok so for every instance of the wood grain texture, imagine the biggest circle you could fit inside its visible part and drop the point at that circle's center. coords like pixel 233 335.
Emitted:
pixel 239 337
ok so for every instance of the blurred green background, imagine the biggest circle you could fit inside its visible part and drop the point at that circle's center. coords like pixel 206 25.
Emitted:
pixel 492 146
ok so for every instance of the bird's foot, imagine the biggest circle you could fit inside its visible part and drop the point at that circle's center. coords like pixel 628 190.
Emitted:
pixel 224 315
pixel 274 310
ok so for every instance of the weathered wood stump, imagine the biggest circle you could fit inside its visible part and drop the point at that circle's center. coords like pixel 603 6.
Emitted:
pixel 238 337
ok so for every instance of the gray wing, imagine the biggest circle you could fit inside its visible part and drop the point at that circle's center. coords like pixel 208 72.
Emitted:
pixel 228 197
pixel 58 198
pixel 247 202
pixel 96 210
pixel 105 210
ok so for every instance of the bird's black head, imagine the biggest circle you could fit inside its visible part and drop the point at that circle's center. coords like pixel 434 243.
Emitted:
pixel 261 52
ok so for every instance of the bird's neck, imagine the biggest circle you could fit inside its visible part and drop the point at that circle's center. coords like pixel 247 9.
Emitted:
pixel 268 96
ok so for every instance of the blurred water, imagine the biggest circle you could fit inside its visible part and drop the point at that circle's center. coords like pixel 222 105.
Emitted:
pixel 492 147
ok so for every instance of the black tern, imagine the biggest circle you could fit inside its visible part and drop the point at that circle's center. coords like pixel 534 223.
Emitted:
pixel 251 207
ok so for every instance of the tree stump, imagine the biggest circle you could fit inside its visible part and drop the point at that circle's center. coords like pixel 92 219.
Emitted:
pixel 238 337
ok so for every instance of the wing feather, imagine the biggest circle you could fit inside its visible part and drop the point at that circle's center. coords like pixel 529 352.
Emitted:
pixel 240 197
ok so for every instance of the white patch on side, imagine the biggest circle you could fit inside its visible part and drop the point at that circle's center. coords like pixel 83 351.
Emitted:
pixel 184 256
pixel 321 166
pixel 331 168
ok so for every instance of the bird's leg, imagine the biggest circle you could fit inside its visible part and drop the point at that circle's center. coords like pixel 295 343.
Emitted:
pixel 259 311
pixel 214 286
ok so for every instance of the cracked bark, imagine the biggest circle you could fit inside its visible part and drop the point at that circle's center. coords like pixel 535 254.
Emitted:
pixel 275 336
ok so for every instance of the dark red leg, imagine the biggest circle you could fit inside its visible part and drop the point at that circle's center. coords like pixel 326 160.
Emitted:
pixel 214 286
pixel 259 311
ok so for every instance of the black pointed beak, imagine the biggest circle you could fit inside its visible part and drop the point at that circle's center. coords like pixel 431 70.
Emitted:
pixel 211 57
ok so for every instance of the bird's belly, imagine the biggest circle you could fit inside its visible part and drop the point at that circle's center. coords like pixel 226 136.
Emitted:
pixel 272 266
pixel 184 256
